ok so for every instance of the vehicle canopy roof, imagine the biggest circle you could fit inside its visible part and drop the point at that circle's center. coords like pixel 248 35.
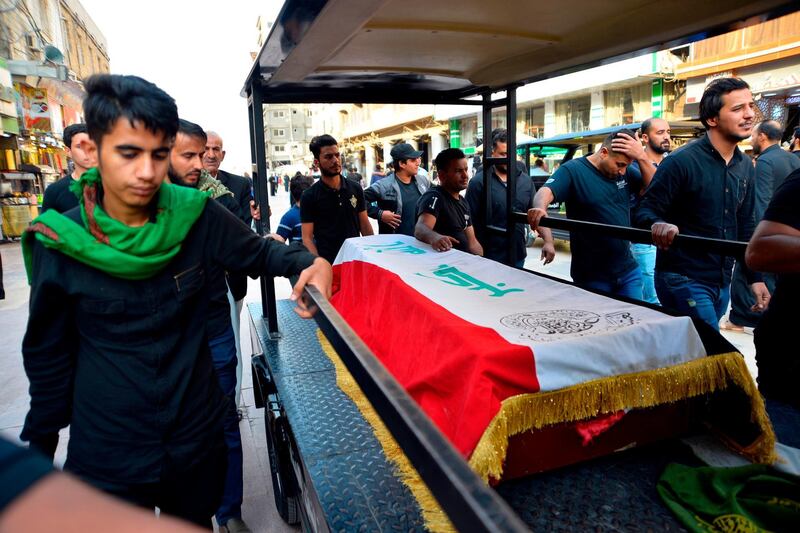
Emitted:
pixel 678 129
pixel 419 51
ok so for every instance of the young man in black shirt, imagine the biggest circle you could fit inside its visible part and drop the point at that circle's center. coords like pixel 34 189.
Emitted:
pixel 494 245
pixel 775 247
pixel 596 189
pixel 332 209
pixel 117 343
pixel 705 188
pixel 443 217
pixel 58 196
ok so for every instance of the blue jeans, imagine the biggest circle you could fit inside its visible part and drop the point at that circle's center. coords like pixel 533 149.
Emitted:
pixel 645 256
pixel 223 355
pixel 693 298
pixel 628 285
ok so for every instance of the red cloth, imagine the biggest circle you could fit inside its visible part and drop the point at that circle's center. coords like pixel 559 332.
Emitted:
pixel 458 372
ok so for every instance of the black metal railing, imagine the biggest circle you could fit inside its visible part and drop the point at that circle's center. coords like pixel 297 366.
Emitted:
pixel 734 249
pixel 470 504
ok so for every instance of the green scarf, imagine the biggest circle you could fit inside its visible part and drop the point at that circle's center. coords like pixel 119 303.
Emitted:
pixel 748 498
pixel 109 245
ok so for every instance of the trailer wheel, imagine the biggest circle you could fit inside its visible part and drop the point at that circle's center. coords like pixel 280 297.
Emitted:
pixel 280 468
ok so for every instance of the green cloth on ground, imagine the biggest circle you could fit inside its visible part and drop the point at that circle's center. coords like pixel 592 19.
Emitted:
pixel 750 498
pixel 121 251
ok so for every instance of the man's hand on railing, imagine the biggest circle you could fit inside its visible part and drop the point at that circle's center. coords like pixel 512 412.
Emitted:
pixel 536 214
pixel 320 275
pixel 663 234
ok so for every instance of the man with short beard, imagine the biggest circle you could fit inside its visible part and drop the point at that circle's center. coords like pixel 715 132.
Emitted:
pixel 186 169
pixel 332 209
pixel 657 143
pixel 705 189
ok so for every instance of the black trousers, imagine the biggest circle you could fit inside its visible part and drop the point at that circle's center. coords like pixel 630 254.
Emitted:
pixel 192 494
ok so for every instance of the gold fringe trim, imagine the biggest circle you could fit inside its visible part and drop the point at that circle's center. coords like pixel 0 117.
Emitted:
pixel 627 391
pixel 579 402
pixel 435 519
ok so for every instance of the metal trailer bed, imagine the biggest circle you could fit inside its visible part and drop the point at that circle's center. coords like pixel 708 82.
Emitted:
pixel 327 467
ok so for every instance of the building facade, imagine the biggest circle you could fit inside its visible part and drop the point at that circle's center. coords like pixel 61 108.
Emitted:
pixel 766 56
pixel 47 47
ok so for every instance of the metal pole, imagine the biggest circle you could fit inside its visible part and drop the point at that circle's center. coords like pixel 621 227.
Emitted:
pixel 690 242
pixel 511 171
pixel 268 306
pixel 469 503
pixel 487 144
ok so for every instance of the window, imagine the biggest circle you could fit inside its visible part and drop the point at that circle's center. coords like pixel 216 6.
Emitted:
pixel 279 148
pixel 294 111
pixel 278 114
pixel 534 121
pixel 627 105
pixel 573 114
pixel 280 132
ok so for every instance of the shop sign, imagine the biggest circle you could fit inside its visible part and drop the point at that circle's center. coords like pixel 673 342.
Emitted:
pixel 35 108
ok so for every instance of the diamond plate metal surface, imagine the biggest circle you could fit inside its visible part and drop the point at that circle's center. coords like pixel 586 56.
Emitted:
pixel 355 484
pixel 359 492
pixel 616 493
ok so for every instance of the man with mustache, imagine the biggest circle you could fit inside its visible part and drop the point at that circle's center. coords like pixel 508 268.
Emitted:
pixel 186 169
pixel 657 143
pixel 332 209
pixel 705 189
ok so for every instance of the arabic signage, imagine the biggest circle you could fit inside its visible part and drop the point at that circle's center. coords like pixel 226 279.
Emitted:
pixel 33 108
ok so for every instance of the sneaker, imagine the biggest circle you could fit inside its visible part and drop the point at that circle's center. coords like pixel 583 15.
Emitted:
pixel 234 525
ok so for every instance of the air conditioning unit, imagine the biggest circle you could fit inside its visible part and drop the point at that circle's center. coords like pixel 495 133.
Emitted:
pixel 32 41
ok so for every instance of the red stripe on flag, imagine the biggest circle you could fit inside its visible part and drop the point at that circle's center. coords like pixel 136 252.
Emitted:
pixel 457 371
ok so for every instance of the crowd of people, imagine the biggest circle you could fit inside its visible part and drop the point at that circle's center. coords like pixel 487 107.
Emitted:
pixel 138 267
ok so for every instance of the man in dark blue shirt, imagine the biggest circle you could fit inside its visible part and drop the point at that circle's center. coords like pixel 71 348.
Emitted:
pixel 290 227
pixel 595 188
pixel 705 189
pixel 494 245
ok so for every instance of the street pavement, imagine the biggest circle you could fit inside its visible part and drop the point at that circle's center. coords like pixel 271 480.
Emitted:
pixel 258 509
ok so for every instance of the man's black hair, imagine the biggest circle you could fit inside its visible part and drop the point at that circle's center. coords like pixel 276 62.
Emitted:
pixel 711 102
pixel 539 163
pixel 796 134
pixel 319 142
pixel 772 129
pixel 191 129
pixel 499 135
pixel 71 131
pixel 610 138
pixel 298 184
pixel 446 156
pixel 110 97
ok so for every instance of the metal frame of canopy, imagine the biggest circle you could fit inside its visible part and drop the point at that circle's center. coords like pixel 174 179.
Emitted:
pixel 329 51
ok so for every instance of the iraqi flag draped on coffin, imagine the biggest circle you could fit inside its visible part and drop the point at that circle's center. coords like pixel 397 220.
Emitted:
pixel 489 351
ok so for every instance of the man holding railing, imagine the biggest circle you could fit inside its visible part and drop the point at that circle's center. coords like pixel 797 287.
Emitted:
pixel 705 189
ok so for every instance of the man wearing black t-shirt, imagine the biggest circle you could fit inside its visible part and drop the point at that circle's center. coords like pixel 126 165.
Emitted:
pixel 596 188
pixel 775 247
pixel 443 217
pixel 332 209
pixel 58 196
